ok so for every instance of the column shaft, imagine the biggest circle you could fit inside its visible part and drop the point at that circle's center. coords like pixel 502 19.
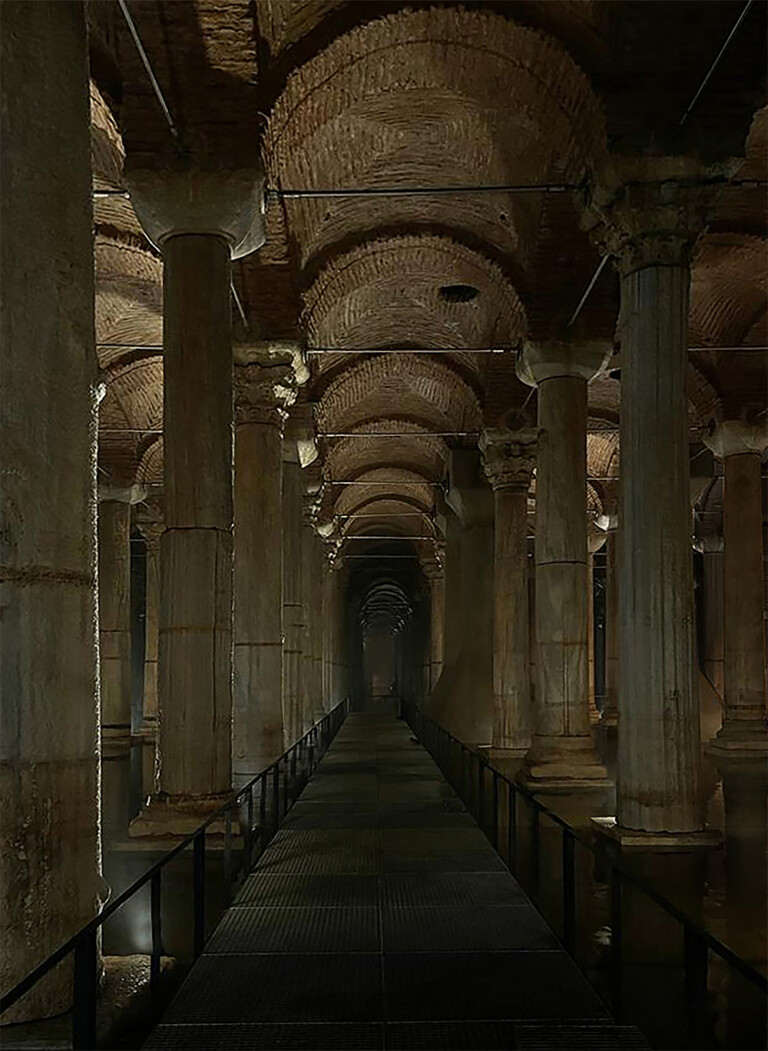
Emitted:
pixel 562 748
pixel 151 633
pixel 511 672
pixel 114 533
pixel 258 593
pixel 293 603
pixel 744 629
pixel 610 712
pixel 658 758
pixel 49 735
pixel 195 655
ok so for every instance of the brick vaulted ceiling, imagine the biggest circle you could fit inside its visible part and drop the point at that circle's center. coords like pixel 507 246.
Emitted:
pixel 357 94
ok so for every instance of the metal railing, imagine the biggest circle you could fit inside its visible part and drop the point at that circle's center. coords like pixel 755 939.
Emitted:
pixel 278 787
pixel 479 785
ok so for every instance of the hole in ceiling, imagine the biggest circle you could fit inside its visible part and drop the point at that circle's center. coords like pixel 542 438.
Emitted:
pixel 458 293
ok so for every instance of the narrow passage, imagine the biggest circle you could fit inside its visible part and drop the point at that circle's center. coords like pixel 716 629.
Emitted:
pixel 380 917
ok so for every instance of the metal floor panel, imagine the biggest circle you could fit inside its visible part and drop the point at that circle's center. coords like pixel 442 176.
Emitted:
pixel 509 985
pixel 273 988
pixel 296 929
pixel 465 929
pixel 439 890
pixel 402 839
pixel 450 1036
pixel 580 1038
pixel 285 1036
pixel 318 891
pixel 442 861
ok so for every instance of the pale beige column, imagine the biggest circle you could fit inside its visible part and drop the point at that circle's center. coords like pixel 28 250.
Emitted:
pixel 265 385
pixel 610 713
pixel 462 701
pixel 293 596
pixel 595 540
pixel 199 218
pixel 114 532
pixel 562 752
pixel 49 724
pixel 509 460
pixel 740 444
pixel 650 232
pixel 433 571
pixel 150 524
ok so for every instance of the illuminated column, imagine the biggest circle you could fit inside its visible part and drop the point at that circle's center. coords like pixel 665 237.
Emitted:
pixel 150 525
pixel 509 460
pixel 49 735
pixel 265 385
pixel 114 532
pixel 595 540
pixel 200 219
pixel 562 752
pixel 650 229
pixel 740 444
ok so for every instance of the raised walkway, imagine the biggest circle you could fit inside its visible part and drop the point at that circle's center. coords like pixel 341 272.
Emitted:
pixel 380 917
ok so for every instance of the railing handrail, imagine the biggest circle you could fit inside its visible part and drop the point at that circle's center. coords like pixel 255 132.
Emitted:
pixel 717 946
pixel 34 976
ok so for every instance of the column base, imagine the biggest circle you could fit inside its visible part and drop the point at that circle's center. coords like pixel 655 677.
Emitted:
pixel 566 764
pixel 609 718
pixel 740 739
pixel 175 817
pixel 640 839
pixel 502 752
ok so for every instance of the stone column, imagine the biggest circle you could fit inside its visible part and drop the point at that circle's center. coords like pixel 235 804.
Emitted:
pixel 150 525
pixel 610 713
pixel 463 698
pixel 740 444
pixel 562 752
pixel 49 732
pixel 659 797
pixel 265 385
pixel 311 569
pixel 199 219
pixel 433 571
pixel 595 540
pixel 114 532
pixel 293 597
pixel 509 459
pixel 711 547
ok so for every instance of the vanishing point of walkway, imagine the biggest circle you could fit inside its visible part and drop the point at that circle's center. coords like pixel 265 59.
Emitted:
pixel 380 917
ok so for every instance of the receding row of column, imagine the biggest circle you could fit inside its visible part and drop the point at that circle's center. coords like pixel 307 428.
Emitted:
pixel 650 668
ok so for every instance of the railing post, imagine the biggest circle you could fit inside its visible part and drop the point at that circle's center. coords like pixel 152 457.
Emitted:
pixel 198 880
pixel 511 826
pixel 695 962
pixel 569 892
pixel 294 793
pixel 155 889
pixel 227 854
pixel 86 980
pixel 285 787
pixel 535 846
pixel 616 940
pixel 262 812
pixel 480 795
pixel 495 809
pixel 250 826
pixel 275 796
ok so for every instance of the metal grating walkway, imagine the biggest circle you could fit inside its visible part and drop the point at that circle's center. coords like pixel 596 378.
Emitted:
pixel 380 917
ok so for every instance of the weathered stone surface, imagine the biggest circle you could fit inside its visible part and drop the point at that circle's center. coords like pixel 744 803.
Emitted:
pixel 115 621
pixel 49 742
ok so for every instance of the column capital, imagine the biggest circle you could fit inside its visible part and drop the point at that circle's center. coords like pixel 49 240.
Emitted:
pixel 128 494
pixel 509 457
pixel 596 535
pixel 266 381
pixel 649 211
pixel 735 437
pixel 227 203
pixel 554 359
pixel 150 521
